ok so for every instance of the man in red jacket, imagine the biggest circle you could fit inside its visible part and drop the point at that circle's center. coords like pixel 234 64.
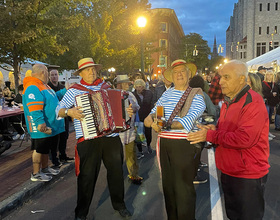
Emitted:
pixel 241 137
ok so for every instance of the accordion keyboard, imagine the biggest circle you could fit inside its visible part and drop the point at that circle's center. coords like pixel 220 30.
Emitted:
pixel 88 125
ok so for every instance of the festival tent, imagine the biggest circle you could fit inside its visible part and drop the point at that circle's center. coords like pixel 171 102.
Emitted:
pixel 269 59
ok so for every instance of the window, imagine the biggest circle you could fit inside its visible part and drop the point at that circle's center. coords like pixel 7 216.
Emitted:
pixel 244 55
pixel 260 7
pixel 163 60
pixel 260 30
pixel 268 6
pixel 276 6
pixel 240 55
pixel 163 27
pixel 245 47
pixel 267 30
pixel 241 47
pixel 275 29
pixel 263 47
pixel 163 43
pixel 276 44
pixel 258 49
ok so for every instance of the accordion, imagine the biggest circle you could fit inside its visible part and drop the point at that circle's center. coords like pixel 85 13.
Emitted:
pixel 105 112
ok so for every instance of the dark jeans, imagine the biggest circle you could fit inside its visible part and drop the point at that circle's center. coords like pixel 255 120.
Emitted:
pixel 179 162
pixel 91 153
pixel 62 144
pixel 244 198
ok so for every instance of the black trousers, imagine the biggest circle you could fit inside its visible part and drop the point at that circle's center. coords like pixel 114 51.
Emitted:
pixel 91 153
pixel 244 198
pixel 179 161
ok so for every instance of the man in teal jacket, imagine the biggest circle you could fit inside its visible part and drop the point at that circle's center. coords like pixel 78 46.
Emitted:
pixel 39 103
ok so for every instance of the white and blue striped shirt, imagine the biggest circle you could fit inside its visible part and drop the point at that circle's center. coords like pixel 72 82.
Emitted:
pixel 69 100
pixel 169 100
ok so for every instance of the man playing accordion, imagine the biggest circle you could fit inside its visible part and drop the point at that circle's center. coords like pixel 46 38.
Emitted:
pixel 90 153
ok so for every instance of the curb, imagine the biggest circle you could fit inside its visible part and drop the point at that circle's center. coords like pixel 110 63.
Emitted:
pixel 29 188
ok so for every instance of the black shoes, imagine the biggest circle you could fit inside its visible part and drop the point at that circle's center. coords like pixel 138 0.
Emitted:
pixel 135 180
pixel 66 159
pixel 124 213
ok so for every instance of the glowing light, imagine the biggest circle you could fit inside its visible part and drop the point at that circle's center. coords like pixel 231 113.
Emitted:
pixel 144 193
pixel 141 22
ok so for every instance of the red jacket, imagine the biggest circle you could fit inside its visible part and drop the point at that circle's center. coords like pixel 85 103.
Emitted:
pixel 242 136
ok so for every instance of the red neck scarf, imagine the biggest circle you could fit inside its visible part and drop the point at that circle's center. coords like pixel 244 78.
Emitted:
pixel 95 83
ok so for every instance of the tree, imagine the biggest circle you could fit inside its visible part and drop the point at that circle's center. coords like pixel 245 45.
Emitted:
pixel 196 50
pixel 27 30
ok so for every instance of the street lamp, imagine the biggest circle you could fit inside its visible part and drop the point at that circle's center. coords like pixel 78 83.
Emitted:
pixel 141 22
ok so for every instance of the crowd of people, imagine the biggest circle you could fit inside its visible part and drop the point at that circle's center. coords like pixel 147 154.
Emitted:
pixel 231 109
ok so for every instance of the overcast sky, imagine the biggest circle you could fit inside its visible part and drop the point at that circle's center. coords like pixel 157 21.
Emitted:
pixel 205 17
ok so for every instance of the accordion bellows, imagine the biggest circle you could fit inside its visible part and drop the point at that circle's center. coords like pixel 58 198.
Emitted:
pixel 104 112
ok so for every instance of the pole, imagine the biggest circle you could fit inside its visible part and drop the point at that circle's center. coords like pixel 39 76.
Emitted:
pixel 142 53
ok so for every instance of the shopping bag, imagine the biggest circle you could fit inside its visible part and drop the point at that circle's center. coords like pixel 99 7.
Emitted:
pixel 140 134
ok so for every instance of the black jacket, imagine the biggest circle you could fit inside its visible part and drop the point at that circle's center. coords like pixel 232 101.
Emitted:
pixel 146 105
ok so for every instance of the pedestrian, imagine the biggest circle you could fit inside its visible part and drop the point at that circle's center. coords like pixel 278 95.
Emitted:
pixel 128 137
pixel 241 137
pixel 270 93
pixel 161 88
pixel 62 144
pixel 39 104
pixel 215 91
pixel 277 114
pixel 178 158
pixel 144 98
pixel 261 72
pixel 90 153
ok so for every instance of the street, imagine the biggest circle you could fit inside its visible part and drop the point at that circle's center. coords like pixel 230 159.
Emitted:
pixel 145 201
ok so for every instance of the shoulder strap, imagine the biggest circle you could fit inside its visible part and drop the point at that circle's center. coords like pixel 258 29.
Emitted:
pixel 179 106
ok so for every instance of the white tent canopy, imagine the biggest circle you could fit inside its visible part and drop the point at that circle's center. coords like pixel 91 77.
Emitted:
pixel 268 59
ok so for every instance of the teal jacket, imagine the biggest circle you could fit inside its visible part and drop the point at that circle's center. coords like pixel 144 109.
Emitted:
pixel 39 104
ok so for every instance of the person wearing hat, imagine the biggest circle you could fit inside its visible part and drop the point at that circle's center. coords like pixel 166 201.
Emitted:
pixel 261 72
pixel 128 137
pixel 90 153
pixel 178 159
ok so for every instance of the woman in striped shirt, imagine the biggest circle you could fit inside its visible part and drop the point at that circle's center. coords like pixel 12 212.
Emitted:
pixel 177 157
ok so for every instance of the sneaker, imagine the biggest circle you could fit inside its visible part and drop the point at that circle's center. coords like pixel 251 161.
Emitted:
pixel 40 177
pixel 66 159
pixel 202 164
pixel 50 171
pixel 150 150
pixel 56 165
pixel 124 213
pixel 271 135
pixel 270 138
pixel 22 136
pixel 199 180
pixel 140 155
pixel 137 180
pixel 16 137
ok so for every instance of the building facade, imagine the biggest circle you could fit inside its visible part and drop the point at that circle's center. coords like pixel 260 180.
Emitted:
pixel 254 29
pixel 168 40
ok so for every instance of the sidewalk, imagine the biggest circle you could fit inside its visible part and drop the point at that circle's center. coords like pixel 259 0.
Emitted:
pixel 16 167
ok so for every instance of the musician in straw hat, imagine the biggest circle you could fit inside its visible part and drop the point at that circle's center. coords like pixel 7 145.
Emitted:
pixel 178 159
pixel 90 153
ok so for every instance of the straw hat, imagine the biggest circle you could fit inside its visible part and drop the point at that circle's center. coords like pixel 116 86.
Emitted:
pixel 86 62
pixel 168 72
pixel 122 79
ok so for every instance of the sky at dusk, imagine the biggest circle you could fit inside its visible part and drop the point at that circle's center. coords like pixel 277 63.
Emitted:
pixel 205 17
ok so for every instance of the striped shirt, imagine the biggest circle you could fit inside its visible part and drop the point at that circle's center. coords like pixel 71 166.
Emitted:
pixel 169 100
pixel 69 100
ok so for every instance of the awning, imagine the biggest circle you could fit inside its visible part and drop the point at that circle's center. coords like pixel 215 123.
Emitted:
pixel 268 59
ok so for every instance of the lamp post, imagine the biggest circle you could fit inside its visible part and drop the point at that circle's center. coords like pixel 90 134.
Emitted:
pixel 141 21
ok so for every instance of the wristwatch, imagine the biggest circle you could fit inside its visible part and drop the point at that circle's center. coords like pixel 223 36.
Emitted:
pixel 66 111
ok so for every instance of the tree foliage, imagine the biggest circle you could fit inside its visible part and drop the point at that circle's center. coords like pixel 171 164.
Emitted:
pixel 28 30
pixel 192 41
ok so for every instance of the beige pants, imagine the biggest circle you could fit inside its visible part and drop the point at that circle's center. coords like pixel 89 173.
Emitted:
pixel 131 159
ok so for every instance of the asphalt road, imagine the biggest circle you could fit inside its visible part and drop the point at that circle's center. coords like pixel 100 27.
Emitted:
pixel 57 202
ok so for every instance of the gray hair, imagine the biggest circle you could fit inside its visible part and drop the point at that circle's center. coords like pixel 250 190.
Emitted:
pixel 241 69
pixel 139 82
